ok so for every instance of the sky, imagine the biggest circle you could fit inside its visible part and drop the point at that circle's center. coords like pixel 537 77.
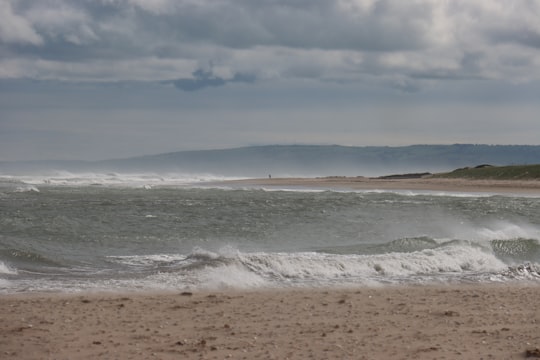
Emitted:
pixel 100 79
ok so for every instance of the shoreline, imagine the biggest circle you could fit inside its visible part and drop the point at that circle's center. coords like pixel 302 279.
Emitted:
pixel 423 322
pixel 531 187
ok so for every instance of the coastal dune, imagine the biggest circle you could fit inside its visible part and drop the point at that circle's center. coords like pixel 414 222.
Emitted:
pixel 421 322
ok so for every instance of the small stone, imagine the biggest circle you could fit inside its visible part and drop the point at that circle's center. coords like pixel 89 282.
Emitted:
pixel 532 353
pixel 451 313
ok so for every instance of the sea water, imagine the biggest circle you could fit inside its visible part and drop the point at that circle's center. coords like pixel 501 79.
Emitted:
pixel 148 232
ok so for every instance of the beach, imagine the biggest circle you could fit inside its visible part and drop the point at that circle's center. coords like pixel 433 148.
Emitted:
pixel 421 297
pixel 413 184
pixel 422 322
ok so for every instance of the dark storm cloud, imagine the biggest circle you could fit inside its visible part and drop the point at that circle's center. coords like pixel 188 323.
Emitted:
pixel 527 37
pixel 148 25
pixel 202 79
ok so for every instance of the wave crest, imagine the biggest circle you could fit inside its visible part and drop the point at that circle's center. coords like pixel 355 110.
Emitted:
pixel 4 269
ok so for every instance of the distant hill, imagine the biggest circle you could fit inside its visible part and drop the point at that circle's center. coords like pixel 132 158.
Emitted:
pixel 314 160
pixel 306 160
pixel 515 172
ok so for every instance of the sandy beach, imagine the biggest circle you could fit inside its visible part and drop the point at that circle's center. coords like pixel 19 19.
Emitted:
pixel 419 184
pixel 463 322
pixel 467 321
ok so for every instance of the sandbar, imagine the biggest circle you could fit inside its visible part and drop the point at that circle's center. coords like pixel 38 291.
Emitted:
pixel 531 187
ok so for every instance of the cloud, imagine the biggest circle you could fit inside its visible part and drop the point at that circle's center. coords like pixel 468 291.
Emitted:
pixel 385 26
pixel 14 28
pixel 63 23
pixel 401 43
pixel 202 79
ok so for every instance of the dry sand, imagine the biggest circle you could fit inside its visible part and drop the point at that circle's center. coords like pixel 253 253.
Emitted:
pixel 419 322
pixel 430 184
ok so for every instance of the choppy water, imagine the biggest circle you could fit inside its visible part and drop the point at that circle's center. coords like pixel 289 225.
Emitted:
pixel 61 236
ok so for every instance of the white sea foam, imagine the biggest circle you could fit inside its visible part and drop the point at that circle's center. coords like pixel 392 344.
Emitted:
pixel 231 276
pixel 404 192
pixel 230 268
pixel 212 271
pixel 255 270
pixel 503 230
pixel 5 285
pixel 28 188
pixel 288 189
pixel 325 267
pixel 4 269
pixel 482 234
pixel 147 260
pixel 142 180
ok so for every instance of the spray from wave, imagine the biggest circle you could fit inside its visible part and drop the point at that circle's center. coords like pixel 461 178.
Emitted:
pixel 110 238
pixel 452 261
pixel 4 269
pixel 144 180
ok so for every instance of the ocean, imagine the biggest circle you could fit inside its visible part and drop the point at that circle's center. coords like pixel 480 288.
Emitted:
pixel 147 232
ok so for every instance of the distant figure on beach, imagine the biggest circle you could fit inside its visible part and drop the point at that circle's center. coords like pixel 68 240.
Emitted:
pixel 269 176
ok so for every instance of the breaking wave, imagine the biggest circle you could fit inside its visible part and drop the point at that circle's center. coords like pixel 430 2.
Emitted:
pixel 143 180
pixel 28 188
pixel 453 261
pixel 228 268
pixel 4 269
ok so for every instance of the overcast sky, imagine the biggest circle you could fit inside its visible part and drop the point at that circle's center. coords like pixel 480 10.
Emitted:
pixel 97 79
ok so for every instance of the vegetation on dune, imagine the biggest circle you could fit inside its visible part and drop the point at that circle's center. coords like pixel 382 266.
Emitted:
pixel 514 172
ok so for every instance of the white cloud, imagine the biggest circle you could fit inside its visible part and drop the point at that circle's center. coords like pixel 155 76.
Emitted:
pixel 402 42
pixel 139 69
pixel 14 28
pixel 158 7
pixel 61 21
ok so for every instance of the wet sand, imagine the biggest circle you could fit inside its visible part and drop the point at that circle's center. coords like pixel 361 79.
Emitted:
pixel 419 322
pixel 420 184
